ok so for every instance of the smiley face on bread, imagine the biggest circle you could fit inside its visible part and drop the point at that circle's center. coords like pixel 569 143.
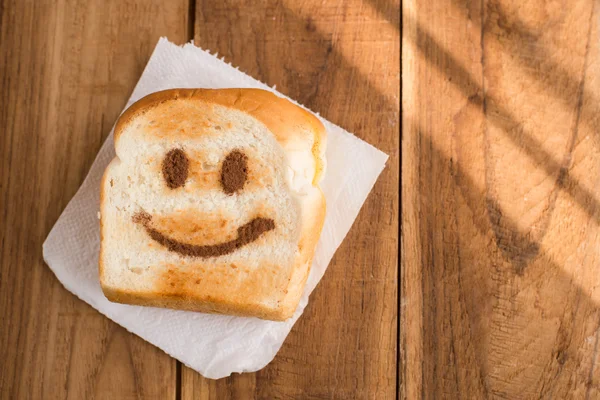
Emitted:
pixel 212 203
pixel 234 172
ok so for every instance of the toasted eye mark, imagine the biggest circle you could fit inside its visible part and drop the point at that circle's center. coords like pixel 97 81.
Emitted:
pixel 234 172
pixel 175 168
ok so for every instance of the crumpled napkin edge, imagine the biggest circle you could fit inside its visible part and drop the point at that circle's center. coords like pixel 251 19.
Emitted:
pixel 301 307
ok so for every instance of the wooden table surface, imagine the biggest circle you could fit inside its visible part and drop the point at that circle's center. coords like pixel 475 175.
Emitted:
pixel 67 68
pixel 500 247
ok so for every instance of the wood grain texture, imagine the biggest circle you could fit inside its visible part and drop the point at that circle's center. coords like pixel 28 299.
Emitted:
pixel 66 70
pixel 500 190
pixel 340 58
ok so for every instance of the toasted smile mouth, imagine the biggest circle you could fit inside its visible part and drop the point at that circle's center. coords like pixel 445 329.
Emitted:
pixel 246 234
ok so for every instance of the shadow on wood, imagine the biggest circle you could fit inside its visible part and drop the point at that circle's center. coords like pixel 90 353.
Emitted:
pixel 389 10
pixel 329 57
pixel 500 203
pixel 514 248
pixel 467 319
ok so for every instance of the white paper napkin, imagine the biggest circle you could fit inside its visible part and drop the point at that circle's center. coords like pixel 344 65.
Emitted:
pixel 213 345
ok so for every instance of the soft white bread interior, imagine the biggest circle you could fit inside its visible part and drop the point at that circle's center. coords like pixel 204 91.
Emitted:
pixel 212 203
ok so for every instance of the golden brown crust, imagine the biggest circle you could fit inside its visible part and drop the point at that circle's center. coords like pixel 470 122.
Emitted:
pixel 101 255
pixel 311 234
pixel 182 302
pixel 308 244
pixel 285 123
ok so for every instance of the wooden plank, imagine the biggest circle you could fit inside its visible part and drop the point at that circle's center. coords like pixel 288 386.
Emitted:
pixel 66 70
pixel 500 220
pixel 340 58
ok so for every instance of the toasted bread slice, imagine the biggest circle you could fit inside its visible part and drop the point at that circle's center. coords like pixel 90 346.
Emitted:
pixel 212 203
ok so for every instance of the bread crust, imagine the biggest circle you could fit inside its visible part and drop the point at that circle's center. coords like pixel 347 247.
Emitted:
pixel 285 120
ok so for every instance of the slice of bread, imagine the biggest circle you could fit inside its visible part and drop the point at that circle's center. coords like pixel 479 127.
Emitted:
pixel 212 203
